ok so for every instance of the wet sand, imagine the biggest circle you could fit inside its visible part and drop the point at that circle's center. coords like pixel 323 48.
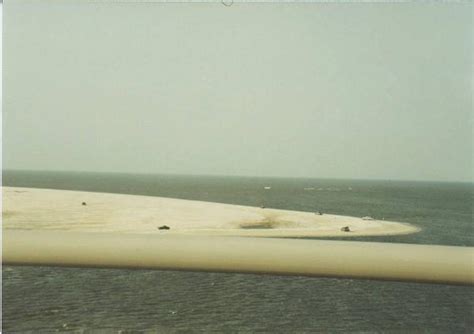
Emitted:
pixel 63 210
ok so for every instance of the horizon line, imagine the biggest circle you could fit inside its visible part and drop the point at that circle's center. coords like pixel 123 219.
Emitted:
pixel 235 175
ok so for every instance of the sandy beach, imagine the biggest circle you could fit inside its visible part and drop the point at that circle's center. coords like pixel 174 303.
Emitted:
pixel 63 210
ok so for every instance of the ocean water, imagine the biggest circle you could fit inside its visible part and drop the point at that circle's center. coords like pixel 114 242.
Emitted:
pixel 45 299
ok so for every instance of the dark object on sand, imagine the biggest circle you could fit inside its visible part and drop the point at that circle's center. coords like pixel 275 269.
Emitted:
pixel 319 213
pixel 345 229
pixel 84 203
pixel 262 206
pixel 164 227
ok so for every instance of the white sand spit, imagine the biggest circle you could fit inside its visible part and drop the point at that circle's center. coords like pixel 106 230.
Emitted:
pixel 46 209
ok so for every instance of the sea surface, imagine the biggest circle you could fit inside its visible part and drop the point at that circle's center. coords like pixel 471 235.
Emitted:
pixel 45 299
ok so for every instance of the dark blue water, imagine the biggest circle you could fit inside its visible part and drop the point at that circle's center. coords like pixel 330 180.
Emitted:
pixel 104 300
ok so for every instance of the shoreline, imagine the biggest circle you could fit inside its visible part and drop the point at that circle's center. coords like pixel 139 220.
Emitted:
pixel 63 210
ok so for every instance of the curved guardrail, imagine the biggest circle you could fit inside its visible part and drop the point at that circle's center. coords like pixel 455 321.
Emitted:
pixel 344 259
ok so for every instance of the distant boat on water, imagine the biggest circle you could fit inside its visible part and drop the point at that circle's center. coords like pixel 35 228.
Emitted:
pixel 267 187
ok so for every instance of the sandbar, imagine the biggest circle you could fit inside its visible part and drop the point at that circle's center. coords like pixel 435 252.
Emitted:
pixel 79 211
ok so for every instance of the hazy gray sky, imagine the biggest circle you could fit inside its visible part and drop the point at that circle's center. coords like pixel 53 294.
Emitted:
pixel 305 90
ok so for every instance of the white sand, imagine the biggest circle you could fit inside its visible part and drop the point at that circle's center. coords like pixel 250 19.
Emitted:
pixel 45 209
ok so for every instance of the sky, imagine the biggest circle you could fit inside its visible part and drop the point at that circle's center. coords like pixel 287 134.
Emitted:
pixel 358 91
